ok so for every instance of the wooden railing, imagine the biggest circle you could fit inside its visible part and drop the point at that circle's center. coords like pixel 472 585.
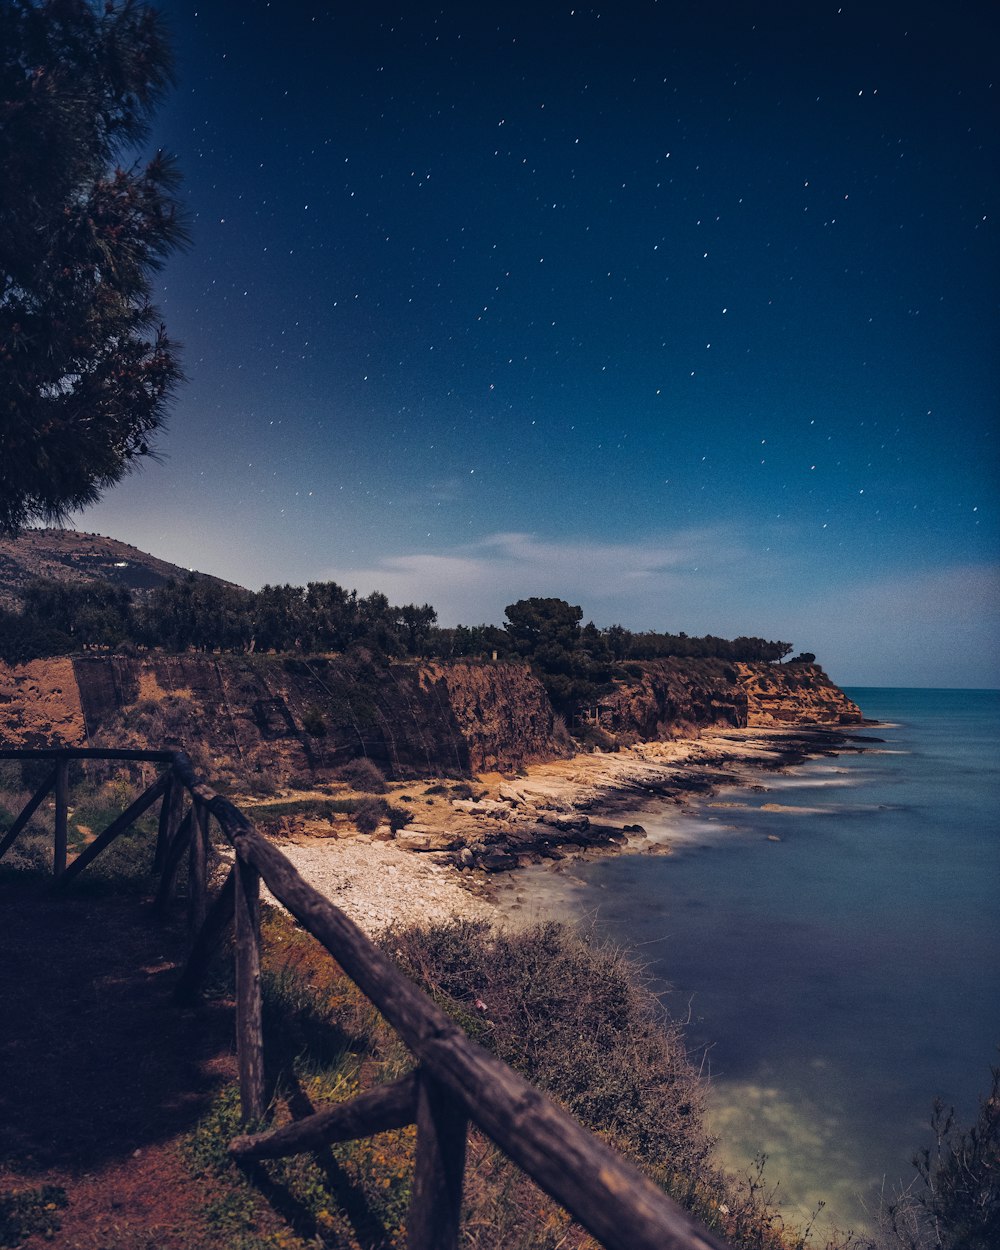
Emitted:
pixel 455 1081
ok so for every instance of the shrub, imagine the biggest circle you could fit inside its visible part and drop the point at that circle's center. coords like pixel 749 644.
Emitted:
pixel 955 1201
pixel 32 852
pixel 590 735
pixel 364 775
pixel 573 1019
pixel 262 786
pixel 566 1013
pixel 10 775
pixel 27 1211
pixel 463 790
pixel 368 815
pixel 397 816
pixel 127 864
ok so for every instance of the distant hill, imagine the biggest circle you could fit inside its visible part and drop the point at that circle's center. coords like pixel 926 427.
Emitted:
pixel 69 556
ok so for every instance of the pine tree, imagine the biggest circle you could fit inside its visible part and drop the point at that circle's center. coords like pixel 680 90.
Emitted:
pixel 86 370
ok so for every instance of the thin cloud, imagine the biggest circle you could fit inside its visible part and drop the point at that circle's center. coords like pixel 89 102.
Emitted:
pixel 610 580
pixel 932 627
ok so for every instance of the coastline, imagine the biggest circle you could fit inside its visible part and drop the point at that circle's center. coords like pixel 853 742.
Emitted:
pixel 501 849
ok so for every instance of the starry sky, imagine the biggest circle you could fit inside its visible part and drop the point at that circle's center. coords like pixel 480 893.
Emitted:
pixel 683 312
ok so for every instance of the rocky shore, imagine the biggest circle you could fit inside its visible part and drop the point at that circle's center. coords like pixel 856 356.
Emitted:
pixel 455 856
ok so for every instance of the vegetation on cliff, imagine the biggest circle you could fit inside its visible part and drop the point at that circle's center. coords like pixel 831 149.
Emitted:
pixel 577 664
pixel 204 614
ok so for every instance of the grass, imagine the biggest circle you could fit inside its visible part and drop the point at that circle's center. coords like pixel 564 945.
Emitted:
pixel 320 809
pixel 367 810
pixel 27 1211
pixel 571 1016
pixel 324 1043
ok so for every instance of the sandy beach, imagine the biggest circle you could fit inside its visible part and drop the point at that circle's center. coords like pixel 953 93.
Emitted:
pixel 427 873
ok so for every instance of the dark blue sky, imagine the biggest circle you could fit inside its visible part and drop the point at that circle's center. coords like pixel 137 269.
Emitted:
pixel 686 313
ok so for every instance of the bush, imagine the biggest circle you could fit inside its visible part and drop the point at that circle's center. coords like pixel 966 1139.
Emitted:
pixel 127 864
pixel 573 1019
pixel 368 815
pixel 589 735
pixel 27 1211
pixel 262 786
pixel 364 775
pixel 397 816
pixel 565 1013
pixel 31 852
pixel 955 1202
pixel 463 790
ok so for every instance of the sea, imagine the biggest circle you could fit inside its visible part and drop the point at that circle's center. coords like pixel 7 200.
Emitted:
pixel 833 943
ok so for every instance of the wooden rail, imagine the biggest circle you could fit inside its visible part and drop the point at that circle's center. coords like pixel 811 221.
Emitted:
pixel 455 1082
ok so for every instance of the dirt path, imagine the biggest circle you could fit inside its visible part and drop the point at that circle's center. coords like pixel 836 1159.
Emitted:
pixel 99 1072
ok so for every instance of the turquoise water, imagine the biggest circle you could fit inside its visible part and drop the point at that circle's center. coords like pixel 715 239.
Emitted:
pixel 839 978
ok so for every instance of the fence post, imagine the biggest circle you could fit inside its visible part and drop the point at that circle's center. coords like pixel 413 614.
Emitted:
pixel 206 941
pixel 62 813
pixel 198 866
pixel 173 796
pixel 435 1214
pixel 172 861
pixel 249 1035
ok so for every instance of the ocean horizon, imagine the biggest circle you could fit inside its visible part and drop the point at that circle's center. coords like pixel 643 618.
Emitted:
pixel 831 940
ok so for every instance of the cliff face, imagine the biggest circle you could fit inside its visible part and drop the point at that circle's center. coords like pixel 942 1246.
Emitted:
pixel 794 694
pixel 291 717
pixel 238 716
pixel 40 704
pixel 503 712
pixel 668 698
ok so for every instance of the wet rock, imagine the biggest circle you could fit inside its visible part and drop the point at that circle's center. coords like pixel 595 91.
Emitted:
pixel 497 861
pixel 572 824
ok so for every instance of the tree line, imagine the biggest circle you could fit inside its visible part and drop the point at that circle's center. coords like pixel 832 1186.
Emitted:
pixel 200 614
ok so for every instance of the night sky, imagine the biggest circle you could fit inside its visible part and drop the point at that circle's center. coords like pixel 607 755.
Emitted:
pixel 683 312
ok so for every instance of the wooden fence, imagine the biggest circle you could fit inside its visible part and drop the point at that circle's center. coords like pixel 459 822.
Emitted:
pixel 455 1081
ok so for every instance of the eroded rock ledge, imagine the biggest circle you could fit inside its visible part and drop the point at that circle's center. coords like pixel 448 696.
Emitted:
pixel 291 717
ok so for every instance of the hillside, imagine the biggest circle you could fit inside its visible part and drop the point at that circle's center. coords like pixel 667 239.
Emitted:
pixel 71 556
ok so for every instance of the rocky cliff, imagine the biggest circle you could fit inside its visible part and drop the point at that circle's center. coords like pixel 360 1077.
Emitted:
pixel 794 694
pixel 301 717
pixel 671 698
pixel 661 699
pixel 239 716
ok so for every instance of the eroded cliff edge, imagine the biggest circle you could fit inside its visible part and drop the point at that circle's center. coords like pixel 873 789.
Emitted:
pixel 301 717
